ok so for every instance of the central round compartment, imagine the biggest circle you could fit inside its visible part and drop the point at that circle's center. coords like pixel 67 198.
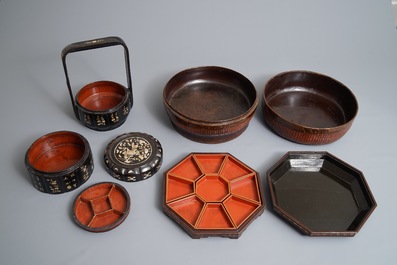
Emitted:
pixel 212 188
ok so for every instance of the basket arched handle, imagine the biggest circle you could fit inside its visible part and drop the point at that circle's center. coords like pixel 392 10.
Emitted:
pixel 95 44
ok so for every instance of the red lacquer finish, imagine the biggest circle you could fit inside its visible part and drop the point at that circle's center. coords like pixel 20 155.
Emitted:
pixel 101 105
pixel 212 194
pixel 101 207
pixel 59 162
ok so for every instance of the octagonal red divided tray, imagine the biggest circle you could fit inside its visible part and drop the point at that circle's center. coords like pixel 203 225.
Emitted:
pixel 212 194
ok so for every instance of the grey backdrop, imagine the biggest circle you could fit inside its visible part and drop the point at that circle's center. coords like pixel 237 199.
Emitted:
pixel 352 41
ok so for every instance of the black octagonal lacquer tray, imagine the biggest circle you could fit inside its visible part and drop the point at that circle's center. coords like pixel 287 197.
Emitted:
pixel 319 194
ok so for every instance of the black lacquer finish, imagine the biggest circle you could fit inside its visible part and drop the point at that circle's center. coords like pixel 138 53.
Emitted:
pixel 319 194
pixel 102 105
pixel 133 156
pixel 59 162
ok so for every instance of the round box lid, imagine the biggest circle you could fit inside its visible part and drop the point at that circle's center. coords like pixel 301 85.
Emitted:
pixel 133 156
pixel 101 207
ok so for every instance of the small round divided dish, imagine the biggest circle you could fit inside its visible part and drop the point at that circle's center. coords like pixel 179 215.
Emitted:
pixel 101 96
pixel 59 162
pixel 212 194
pixel 308 108
pixel 210 104
pixel 101 207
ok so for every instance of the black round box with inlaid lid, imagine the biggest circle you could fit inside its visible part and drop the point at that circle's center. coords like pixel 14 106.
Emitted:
pixel 133 156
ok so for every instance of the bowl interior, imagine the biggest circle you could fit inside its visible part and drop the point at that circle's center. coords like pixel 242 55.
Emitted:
pixel 210 94
pixel 56 152
pixel 101 96
pixel 310 100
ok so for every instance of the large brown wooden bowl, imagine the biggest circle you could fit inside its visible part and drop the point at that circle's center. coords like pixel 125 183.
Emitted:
pixel 210 104
pixel 308 108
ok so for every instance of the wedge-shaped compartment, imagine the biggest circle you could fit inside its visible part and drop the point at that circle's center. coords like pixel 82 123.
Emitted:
pixel 94 193
pixel 222 201
pixel 187 169
pixel 101 207
pixel 210 163
pixel 107 217
pixel 319 194
pixel 246 187
pixel 240 209
pixel 188 208
pixel 215 216
pixel 233 169
pixel 178 187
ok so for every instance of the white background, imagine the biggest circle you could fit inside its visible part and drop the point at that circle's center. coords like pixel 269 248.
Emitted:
pixel 353 41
